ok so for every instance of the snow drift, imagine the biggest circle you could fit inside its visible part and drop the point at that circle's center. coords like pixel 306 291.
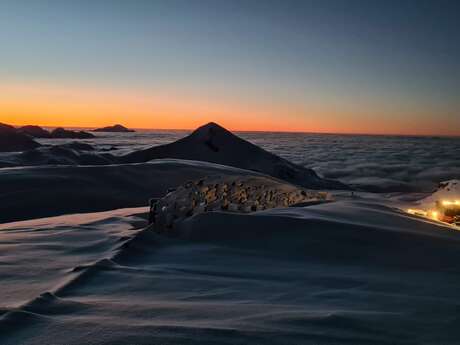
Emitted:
pixel 337 273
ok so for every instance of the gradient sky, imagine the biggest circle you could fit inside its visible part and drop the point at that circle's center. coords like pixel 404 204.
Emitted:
pixel 321 66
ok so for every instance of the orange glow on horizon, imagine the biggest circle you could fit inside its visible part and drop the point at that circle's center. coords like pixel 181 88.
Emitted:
pixel 77 106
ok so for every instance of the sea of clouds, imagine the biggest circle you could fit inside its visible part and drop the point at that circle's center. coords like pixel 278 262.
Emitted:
pixel 373 163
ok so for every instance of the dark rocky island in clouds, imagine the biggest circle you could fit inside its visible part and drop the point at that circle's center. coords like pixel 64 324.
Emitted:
pixel 114 129
pixel 61 133
pixel 35 131
pixel 20 139
pixel 57 133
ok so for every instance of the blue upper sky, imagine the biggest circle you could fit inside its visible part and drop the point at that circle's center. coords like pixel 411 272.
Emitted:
pixel 376 60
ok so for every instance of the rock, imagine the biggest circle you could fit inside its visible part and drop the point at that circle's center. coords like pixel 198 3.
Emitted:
pixel 61 133
pixel 114 128
pixel 232 207
pixel 12 140
pixel 223 194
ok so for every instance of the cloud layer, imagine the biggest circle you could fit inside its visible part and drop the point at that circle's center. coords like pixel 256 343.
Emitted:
pixel 374 163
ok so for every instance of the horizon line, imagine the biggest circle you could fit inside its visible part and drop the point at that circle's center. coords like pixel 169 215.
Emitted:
pixel 251 131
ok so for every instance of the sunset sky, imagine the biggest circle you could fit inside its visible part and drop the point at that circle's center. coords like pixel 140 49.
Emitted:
pixel 316 66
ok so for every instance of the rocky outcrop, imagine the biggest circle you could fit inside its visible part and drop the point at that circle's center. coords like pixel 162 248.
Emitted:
pixel 12 140
pixel 114 128
pixel 213 143
pixel 61 133
pixel 242 194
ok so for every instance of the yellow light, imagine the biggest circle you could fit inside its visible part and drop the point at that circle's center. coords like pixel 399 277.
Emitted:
pixel 450 203
pixel 434 215
pixel 416 212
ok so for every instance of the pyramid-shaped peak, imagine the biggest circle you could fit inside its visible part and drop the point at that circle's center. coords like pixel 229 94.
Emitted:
pixel 210 126
pixel 212 131
pixel 213 143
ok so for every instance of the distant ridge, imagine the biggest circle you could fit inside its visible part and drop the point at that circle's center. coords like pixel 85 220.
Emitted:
pixel 58 133
pixel 11 140
pixel 213 143
pixel 114 128
pixel 61 133
pixel 35 131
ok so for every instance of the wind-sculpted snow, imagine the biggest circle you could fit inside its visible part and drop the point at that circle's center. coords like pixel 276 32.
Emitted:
pixel 338 273
pixel 43 191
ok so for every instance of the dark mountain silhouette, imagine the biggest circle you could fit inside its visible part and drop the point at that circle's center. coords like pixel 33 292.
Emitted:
pixel 11 140
pixel 114 128
pixel 61 133
pixel 213 143
pixel 58 133
pixel 35 131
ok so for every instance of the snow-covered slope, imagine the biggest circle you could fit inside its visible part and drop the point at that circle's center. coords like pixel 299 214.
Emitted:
pixel 335 273
pixel 448 190
pixel 213 143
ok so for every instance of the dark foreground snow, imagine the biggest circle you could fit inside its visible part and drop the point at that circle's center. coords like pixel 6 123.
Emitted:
pixel 349 272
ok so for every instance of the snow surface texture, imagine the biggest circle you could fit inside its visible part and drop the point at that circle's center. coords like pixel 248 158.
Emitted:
pixel 33 192
pixel 337 273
